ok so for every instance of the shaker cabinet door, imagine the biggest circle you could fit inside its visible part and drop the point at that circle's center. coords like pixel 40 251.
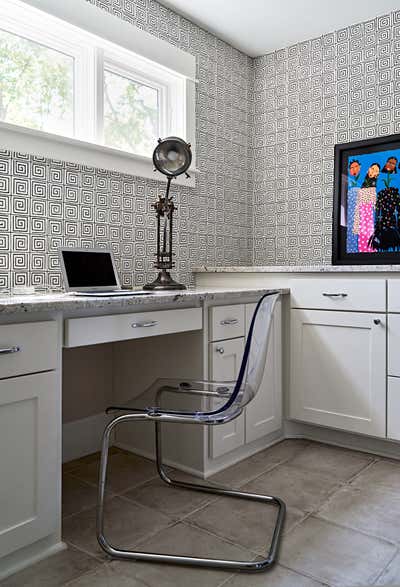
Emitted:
pixel 225 359
pixel 264 412
pixel 338 370
pixel 29 460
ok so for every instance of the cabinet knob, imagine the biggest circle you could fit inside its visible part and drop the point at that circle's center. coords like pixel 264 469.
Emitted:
pixel 377 321
pixel 220 350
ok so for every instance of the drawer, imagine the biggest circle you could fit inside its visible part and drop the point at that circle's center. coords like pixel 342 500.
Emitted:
pixel 100 329
pixel 227 322
pixel 394 295
pixel 393 408
pixel 358 295
pixel 394 345
pixel 28 348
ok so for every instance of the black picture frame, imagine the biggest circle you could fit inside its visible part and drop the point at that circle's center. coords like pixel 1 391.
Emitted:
pixel 342 252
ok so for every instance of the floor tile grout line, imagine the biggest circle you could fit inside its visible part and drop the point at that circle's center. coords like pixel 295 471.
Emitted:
pixel 98 558
pixel 364 532
pixel 322 582
pixel 178 518
pixel 379 575
pixel 223 538
pixel 101 557
pixel 83 575
pixel 363 470
pixel 343 527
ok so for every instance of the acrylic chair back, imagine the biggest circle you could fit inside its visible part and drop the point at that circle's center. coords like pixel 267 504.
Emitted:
pixel 255 353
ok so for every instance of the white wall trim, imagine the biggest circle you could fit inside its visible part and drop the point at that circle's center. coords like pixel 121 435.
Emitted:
pixel 83 437
pixel 169 462
pixel 25 557
pixel 86 16
pixel 51 146
pixel 378 446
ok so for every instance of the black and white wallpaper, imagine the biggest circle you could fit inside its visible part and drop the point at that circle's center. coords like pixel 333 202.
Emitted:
pixel 45 204
pixel 341 87
pixel 266 129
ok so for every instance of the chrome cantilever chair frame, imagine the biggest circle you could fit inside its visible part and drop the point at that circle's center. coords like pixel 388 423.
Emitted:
pixel 158 417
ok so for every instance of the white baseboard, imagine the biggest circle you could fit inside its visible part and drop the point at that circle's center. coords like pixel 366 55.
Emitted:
pixel 25 557
pixel 151 457
pixel 83 437
pixel 221 463
pixel 378 446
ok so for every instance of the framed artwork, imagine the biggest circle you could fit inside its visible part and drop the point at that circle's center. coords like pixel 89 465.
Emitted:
pixel 366 203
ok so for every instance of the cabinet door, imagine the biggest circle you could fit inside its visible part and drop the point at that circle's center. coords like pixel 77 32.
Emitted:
pixel 338 370
pixel 225 359
pixel 29 459
pixel 264 412
pixel 393 408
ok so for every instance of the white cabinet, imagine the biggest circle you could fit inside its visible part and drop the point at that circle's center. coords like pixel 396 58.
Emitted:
pixel 393 408
pixel 29 459
pixel 264 413
pixel 225 359
pixel 338 370
pixel 394 345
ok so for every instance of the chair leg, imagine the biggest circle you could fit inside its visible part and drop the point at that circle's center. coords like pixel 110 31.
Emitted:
pixel 232 565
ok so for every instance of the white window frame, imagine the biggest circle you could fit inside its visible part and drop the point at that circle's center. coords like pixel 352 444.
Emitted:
pixel 98 41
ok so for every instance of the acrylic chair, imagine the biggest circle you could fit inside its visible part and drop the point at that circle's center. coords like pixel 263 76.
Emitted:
pixel 232 397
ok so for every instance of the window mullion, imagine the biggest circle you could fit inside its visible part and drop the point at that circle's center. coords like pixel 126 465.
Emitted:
pixel 85 94
pixel 99 96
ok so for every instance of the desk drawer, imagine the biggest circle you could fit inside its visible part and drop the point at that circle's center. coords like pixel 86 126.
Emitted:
pixel 101 329
pixel 27 348
pixel 357 295
pixel 227 322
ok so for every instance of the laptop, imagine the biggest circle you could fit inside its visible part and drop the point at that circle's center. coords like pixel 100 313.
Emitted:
pixel 92 272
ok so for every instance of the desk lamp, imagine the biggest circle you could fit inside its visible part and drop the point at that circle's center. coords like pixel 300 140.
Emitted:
pixel 172 157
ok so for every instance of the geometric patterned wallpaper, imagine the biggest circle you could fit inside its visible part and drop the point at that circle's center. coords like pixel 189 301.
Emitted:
pixel 45 204
pixel 341 87
pixel 266 129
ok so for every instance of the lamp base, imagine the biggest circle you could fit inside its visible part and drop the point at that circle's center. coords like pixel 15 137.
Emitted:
pixel 164 282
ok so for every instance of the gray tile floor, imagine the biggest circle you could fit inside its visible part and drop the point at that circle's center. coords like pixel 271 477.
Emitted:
pixel 342 529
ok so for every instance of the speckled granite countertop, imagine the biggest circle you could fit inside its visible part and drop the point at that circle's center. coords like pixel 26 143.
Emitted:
pixel 300 269
pixel 69 303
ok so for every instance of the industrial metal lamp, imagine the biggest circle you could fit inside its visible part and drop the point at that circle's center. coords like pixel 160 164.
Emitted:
pixel 172 157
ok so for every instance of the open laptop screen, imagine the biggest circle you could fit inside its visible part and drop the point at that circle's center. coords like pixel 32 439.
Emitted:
pixel 89 269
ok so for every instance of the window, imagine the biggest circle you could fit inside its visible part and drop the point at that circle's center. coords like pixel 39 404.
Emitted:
pixel 36 85
pixel 59 78
pixel 131 113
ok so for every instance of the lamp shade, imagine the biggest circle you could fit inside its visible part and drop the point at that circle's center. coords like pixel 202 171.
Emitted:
pixel 172 156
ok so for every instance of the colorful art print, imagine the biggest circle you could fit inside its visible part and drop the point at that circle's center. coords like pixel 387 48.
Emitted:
pixel 366 207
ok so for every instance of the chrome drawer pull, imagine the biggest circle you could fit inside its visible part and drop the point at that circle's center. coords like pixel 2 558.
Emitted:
pixel 144 324
pixel 229 321
pixel 220 350
pixel 10 350
pixel 335 295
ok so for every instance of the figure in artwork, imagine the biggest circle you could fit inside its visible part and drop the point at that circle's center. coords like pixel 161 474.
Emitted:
pixel 386 236
pixel 352 195
pixel 364 215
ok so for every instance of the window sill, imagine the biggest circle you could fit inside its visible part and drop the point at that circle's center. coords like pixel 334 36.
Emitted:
pixel 36 142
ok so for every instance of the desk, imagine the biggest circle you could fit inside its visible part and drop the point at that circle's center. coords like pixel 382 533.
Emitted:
pixel 67 358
